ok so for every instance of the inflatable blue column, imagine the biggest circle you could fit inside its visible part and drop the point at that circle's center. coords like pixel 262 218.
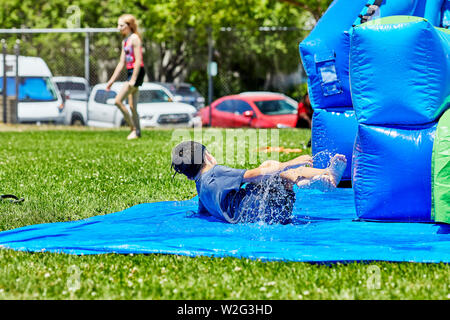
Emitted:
pixel 325 57
pixel 400 80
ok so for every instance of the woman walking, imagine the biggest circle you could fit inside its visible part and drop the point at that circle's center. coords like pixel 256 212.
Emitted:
pixel 131 57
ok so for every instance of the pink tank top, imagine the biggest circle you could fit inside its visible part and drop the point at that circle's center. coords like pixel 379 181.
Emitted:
pixel 130 58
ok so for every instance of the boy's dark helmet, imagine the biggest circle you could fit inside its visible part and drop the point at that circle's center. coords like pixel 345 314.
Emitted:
pixel 188 158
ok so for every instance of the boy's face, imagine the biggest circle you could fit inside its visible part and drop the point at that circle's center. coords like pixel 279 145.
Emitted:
pixel 210 158
pixel 209 161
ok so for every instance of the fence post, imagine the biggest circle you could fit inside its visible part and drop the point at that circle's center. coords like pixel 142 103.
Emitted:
pixel 11 107
pixel 86 71
pixel 4 94
pixel 210 78
pixel 17 53
pixel 86 57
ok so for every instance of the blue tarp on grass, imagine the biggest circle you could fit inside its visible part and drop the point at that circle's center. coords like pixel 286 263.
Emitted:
pixel 323 230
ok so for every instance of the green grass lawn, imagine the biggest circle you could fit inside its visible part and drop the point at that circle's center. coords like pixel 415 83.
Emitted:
pixel 69 174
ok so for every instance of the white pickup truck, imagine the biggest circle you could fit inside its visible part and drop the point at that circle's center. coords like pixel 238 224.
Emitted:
pixel 155 107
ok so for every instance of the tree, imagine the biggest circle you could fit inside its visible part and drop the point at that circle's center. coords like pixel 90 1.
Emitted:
pixel 315 7
pixel 64 53
pixel 175 37
pixel 177 32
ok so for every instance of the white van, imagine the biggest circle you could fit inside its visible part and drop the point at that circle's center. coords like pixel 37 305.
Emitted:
pixel 39 98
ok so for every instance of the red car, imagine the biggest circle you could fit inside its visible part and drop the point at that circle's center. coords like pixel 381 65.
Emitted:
pixel 252 109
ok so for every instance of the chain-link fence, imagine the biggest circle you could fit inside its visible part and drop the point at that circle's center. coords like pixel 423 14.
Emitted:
pixel 265 59
pixel 262 59
pixel 88 53
pixel 267 55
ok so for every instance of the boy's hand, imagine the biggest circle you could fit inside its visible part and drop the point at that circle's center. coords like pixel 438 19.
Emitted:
pixel 305 160
pixel 309 160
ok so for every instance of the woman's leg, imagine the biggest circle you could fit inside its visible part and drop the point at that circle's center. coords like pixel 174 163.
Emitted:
pixel 119 98
pixel 133 99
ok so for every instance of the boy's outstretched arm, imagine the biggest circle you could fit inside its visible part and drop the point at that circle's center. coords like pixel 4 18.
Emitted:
pixel 271 167
pixel 305 160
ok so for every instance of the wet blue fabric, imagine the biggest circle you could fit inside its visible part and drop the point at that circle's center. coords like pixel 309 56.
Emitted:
pixel 323 230
pixel 215 185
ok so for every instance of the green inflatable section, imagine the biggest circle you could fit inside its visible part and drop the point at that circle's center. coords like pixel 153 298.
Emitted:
pixel 441 171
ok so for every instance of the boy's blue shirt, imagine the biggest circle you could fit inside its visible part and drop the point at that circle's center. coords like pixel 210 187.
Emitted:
pixel 213 187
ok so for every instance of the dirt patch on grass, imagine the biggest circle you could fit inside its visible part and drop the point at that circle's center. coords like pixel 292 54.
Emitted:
pixel 45 127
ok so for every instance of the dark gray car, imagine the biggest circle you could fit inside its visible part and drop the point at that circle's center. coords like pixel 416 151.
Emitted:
pixel 186 93
pixel 73 88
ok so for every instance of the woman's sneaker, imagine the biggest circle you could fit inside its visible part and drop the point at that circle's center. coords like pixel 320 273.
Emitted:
pixel 132 135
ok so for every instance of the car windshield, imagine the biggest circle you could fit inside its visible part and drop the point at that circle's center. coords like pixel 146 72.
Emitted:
pixel 150 96
pixel 31 89
pixel 186 91
pixel 73 86
pixel 276 107
pixel 73 90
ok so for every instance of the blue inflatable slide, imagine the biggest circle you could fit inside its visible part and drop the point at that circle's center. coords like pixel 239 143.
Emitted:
pixel 325 54
pixel 379 83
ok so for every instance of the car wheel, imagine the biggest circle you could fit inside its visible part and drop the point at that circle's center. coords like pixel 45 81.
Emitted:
pixel 77 121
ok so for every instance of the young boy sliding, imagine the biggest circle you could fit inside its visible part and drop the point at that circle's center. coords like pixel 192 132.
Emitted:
pixel 260 194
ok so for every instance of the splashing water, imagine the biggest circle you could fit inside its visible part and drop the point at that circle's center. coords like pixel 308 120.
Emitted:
pixel 270 205
pixel 323 158
pixel 270 202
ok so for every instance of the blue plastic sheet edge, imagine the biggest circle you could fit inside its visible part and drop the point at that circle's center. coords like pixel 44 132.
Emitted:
pixel 324 231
